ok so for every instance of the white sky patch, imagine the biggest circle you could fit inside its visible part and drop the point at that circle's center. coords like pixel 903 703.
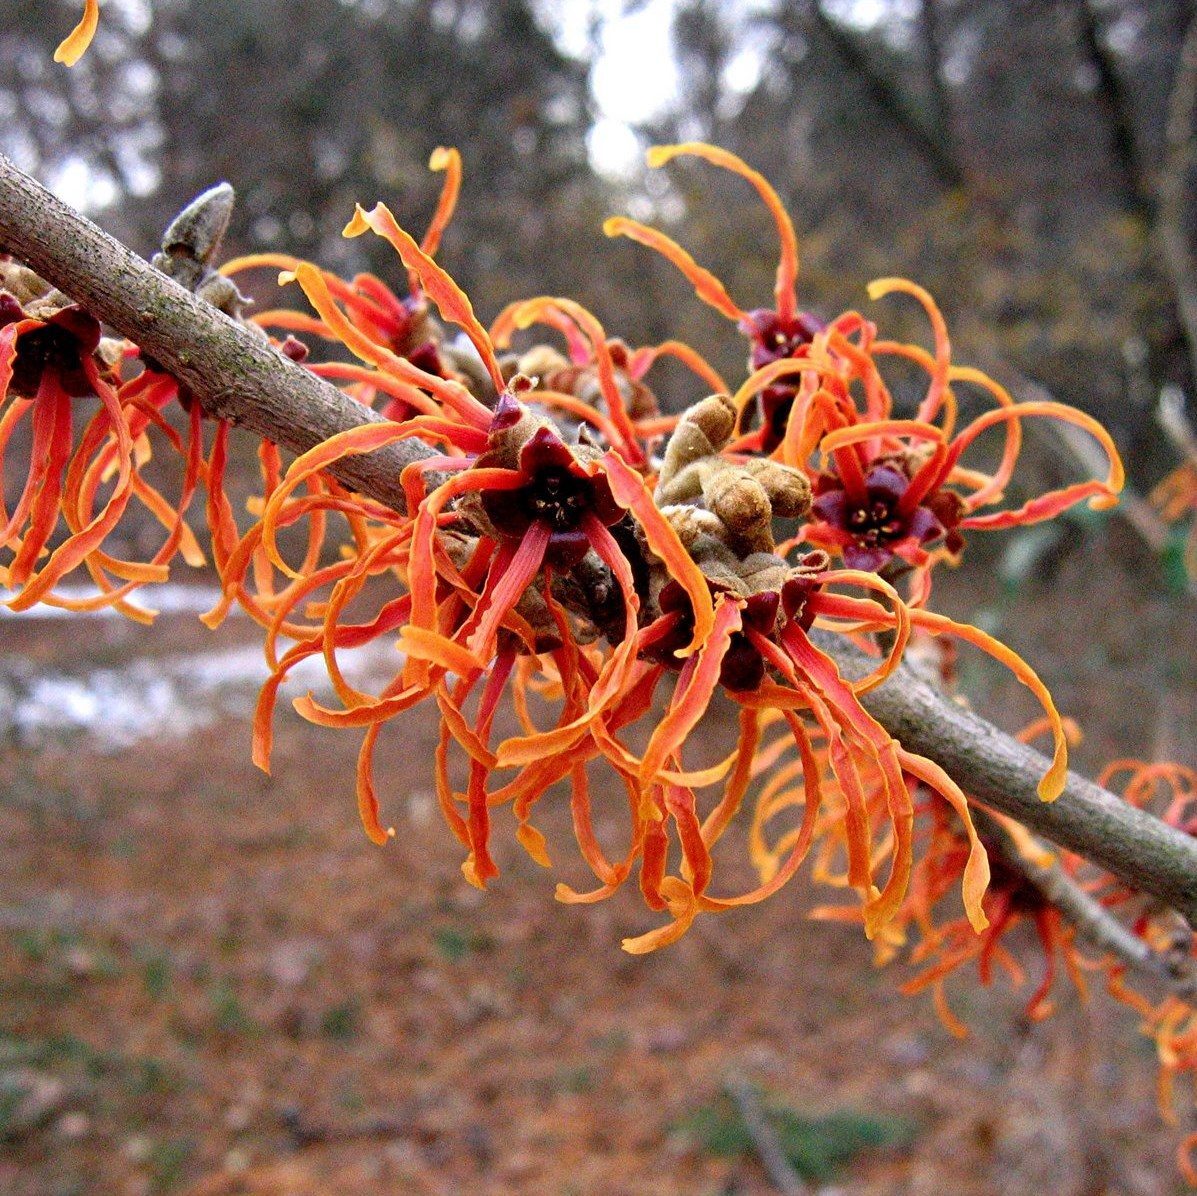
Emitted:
pixel 743 72
pixel 864 14
pixel 83 188
pixel 633 76
pixel 614 149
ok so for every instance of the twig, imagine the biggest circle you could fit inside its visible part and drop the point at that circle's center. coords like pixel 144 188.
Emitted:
pixel 241 377
pixel 764 1138
pixel 1093 922
pixel 304 1133
pixel 885 94
pixel 1170 415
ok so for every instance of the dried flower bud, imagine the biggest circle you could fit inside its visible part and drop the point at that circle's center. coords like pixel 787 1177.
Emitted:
pixel 742 506
pixel 788 488
pixel 191 244
pixel 701 432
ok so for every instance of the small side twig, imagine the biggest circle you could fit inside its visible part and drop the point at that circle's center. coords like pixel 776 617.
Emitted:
pixel 1170 415
pixel 764 1137
pixel 1093 922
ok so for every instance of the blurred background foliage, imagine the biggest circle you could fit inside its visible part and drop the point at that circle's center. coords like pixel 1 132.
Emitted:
pixel 226 942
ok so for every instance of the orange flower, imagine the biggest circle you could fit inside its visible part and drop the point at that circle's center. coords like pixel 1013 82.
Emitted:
pixel 49 361
pixel 508 523
pixel 1176 498
pixel 882 488
pixel 146 400
pixel 383 325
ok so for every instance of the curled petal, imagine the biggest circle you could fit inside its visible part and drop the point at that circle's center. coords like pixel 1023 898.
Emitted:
pixel 1053 782
pixel 450 299
pixel 631 493
pixel 929 407
pixel 708 288
pixel 787 267
pixel 448 160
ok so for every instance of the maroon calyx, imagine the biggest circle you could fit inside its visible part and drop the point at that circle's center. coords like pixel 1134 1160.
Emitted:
pixel 61 343
pixel 558 493
pixel 773 338
pixel 426 357
pixel 743 667
pixel 872 528
pixel 294 349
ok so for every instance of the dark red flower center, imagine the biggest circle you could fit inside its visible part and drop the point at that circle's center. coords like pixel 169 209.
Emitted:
pixel 557 493
pixel 743 667
pixel 1013 884
pixel 874 523
pixel 774 338
pixel 558 498
pixel 60 345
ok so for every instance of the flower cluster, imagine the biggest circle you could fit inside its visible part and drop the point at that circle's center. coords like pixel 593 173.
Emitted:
pixel 591 592
pixel 891 494
pixel 1024 891
pixel 611 578
pixel 617 578
pixel 1175 497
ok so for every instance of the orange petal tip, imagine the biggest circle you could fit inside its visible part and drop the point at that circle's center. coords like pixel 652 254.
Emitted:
pixel 658 155
pixel 1052 785
pixel 533 842
pixel 71 48
pixel 357 224
pixel 470 871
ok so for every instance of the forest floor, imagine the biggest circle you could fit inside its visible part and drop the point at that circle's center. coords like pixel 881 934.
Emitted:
pixel 214 984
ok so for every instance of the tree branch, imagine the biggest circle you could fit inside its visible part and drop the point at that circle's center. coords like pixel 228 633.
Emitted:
pixel 1116 104
pixel 933 60
pixel 1093 922
pixel 1003 773
pixel 237 375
